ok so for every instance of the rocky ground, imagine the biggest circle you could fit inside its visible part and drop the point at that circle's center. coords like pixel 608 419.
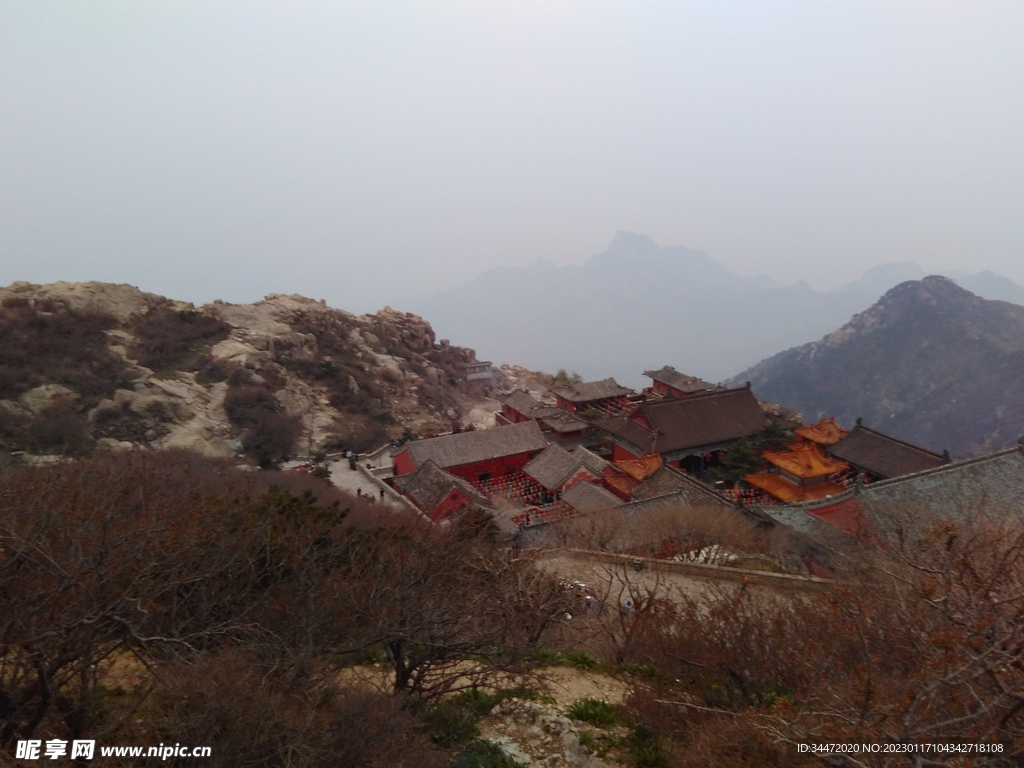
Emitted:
pixel 540 733
pixel 340 377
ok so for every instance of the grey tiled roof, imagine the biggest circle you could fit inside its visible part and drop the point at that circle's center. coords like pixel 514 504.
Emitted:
pixel 591 390
pixel 586 497
pixel 912 504
pixel 554 465
pixel 667 480
pixel 883 455
pixel 480 445
pixel 627 431
pixel 558 420
pixel 429 485
pixel 682 382
pixel 961 490
pixel 522 402
pixel 796 518
pixel 590 459
pixel 574 440
pixel 551 467
pixel 704 419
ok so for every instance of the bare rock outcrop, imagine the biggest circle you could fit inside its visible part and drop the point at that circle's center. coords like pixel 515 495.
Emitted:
pixel 295 368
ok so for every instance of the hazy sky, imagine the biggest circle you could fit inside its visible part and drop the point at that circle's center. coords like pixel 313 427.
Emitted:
pixel 369 152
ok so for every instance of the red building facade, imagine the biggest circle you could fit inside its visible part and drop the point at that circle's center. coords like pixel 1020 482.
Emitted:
pixel 476 456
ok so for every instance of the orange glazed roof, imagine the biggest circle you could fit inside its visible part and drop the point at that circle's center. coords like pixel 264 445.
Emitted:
pixel 805 460
pixel 825 432
pixel 642 468
pixel 622 484
pixel 786 490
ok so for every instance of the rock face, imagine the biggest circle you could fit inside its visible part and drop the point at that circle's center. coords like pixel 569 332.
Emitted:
pixel 930 363
pixel 535 736
pixel 216 378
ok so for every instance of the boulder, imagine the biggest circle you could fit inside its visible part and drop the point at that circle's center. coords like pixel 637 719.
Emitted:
pixel 37 400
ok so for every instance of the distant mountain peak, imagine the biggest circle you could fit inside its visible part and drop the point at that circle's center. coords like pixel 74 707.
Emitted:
pixel 631 250
pixel 930 289
pixel 907 298
pixel 631 241
pixel 929 362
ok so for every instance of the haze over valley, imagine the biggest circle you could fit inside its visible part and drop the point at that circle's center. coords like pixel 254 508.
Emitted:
pixel 637 305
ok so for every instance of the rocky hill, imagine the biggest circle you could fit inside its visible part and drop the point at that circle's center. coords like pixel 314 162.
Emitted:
pixel 930 362
pixel 87 365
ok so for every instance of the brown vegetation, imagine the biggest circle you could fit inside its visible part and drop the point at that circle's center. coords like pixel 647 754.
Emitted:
pixel 175 340
pixel 269 434
pixel 232 605
pixel 44 342
pixel 931 649
pixel 158 597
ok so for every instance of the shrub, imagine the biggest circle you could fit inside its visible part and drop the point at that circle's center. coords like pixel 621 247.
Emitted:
pixel 272 438
pixel 246 406
pixel 170 340
pixel 455 720
pixel 51 344
pixel 358 433
pixel 270 435
pixel 484 754
pixel 451 723
pixel 58 430
pixel 583 660
pixel 645 750
pixel 596 712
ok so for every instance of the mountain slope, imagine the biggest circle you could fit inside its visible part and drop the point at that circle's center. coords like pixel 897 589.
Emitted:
pixel 93 364
pixel 930 362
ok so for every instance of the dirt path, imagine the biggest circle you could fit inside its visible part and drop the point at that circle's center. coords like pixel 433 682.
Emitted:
pixel 617 583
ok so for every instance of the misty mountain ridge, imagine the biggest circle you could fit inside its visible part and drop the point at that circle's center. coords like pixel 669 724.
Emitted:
pixel 986 284
pixel 637 305
pixel 930 362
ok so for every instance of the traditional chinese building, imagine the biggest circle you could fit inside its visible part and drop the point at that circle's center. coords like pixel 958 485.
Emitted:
pixel 479 371
pixel 605 396
pixel 689 432
pixel 586 498
pixel 438 494
pixel 667 481
pixel 911 505
pixel 622 476
pixel 521 406
pixel 477 456
pixel 557 469
pixel 802 473
pixel 825 433
pixel 881 457
pixel 669 382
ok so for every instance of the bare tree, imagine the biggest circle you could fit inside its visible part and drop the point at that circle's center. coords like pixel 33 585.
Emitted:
pixel 928 647
pixel 433 599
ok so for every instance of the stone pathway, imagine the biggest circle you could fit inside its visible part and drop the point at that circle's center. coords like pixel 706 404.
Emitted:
pixel 353 481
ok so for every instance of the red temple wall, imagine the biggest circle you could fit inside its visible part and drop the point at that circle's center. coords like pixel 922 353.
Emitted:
pixel 621 454
pixel 494 467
